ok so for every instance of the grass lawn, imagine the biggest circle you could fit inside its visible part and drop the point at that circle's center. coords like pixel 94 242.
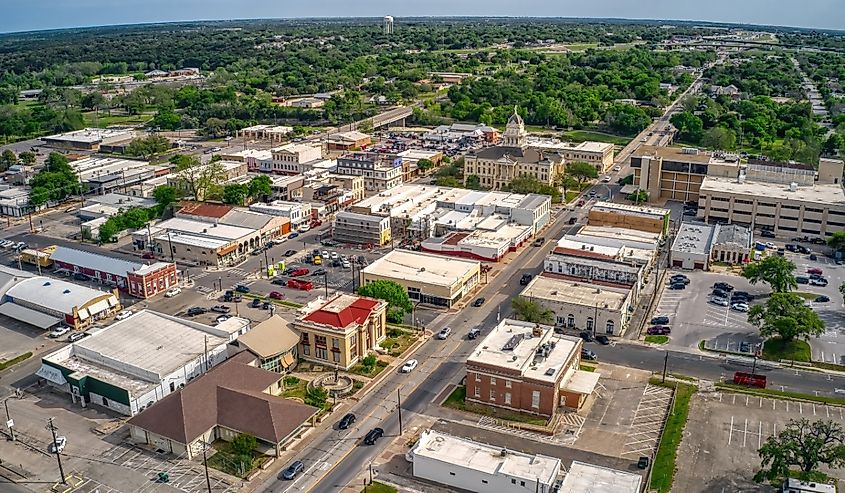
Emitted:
pixel 457 400
pixel 663 468
pixel 582 135
pixel 17 359
pixel 377 487
pixel 398 341
pixel 657 339
pixel 584 367
pixel 104 120
pixel 224 460
pixel 807 296
pixel 294 387
pixel 775 349
pixel 362 370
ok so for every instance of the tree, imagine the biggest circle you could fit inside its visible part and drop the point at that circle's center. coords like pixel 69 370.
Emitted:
pixel 842 290
pixel 719 138
pixel 316 396
pixel 582 171
pixel 567 183
pixel 774 270
pixel 638 196
pixel 200 180
pixel 260 187
pixel 149 146
pixel 235 194
pixel 424 165
pixel 690 127
pixel 531 311
pixel 804 444
pixel 165 195
pixel 243 446
pixel 785 315
pixel 390 292
pixel 837 240
pixel 54 182
pixel 166 120
pixel 7 158
pixel 27 158
pixel 473 182
pixel 92 101
pixel 107 231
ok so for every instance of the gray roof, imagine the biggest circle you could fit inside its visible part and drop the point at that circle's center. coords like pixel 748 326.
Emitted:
pixel 246 219
pixel 733 234
pixel 694 238
pixel 533 201
pixel 28 315
pixel 498 152
pixel 53 294
pixel 101 263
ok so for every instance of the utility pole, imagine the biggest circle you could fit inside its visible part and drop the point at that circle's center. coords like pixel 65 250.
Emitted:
pixel 326 282
pixel 205 352
pixel 9 422
pixel 56 449
pixel 399 407
pixel 665 364
pixel 267 263
pixel 205 463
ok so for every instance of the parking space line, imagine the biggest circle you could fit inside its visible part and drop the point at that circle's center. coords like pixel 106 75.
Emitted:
pixel 760 436
pixel 731 432
pixel 745 433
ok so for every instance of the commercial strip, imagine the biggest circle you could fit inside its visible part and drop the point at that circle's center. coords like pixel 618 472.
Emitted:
pixel 348 141
pixel 126 369
pixel 231 399
pixel 291 159
pixel 526 367
pixel 100 176
pixel 274 133
pixel 362 229
pixel 89 139
pixel 342 330
pixel 298 213
pixel 380 172
pixel 139 280
pixel 578 305
pixel 429 279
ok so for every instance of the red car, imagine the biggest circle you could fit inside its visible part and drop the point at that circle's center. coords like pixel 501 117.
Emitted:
pixel 300 272
pixel 276 295
pixel 658 330
pixel 815 270
pixel 303 285
pixel 148 255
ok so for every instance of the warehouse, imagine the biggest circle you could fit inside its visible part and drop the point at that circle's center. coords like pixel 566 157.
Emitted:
pixel 44 302
pixel 429 279
pixel 126 369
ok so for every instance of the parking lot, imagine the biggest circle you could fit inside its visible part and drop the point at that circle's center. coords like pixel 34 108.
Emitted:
pixel 724 431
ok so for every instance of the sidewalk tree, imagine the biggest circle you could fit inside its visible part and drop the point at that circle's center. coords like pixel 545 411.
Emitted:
pixel 394 294
pixel 531 311
pixel 201 180
pixel 837 240
pixel 27 158
pixel 582 171
pixel 774 270
pixel 785 315
pixel 8 158
pixel 804 444
pixel 165 195
pixel 842 290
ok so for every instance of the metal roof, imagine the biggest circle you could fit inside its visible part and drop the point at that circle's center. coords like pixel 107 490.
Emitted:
pixel 28 315
pixel 95 261
pixel 54 294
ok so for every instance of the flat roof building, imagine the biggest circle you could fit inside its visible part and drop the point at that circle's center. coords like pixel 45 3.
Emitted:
pixel 643 218
pixel 473 466
pixel 599 154
pixel 692 246
pixel 44 301
pixel 583 477
pixel 274 133
pixel 348 141
pixel 429 279
pixel 677 173
pixel 89 139
pixel 354 228
pixel 732 244
pixel 126 369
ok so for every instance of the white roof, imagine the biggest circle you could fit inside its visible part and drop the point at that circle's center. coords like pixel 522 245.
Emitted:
pixel 53 294
pixel 820 194
pixel 487 459
pixel 575 293
pixel 421 267
pixel 91 134
pixel 639 210
pixel 584 477
pixel 95 261
pixel 203 228
pixel 695 238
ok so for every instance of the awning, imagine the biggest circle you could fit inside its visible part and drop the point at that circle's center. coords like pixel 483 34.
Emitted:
pixel 582 382
pixel 51 374
pixel 287 360
pixel 98 307
pixel 82 314
pixel 28 315
pixel 112 301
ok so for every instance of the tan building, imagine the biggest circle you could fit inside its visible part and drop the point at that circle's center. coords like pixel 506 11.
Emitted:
pixel 351 183
pixel 341 331
pixel 599 154
pixel 430 279
pixel 497 166
pixel 348 141
pixel 273 342
pixel 641 218
pixel 526 367
pixel 786 199
pixel 677 173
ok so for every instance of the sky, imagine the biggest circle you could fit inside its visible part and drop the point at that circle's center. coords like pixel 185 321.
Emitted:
pixel 28 15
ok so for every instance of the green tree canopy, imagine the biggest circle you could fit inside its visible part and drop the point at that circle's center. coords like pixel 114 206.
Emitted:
pixel 529 184
pixel 389 291
pixel 531 311
pixel 235 193
pixel 424 165
pixel 54 182
pixel 638 196
pixel 719 138
pixel 837 240
pixel 7 158
pixel 774 270
pixel 27 158
pixel 244 444
pixel 149 146
pixel 690 127
pixel 785 315
pixel 165 195
pixel 582 171
pixel 260 188
pixel 804 444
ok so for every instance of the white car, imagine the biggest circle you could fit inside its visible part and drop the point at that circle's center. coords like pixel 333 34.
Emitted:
pixel 617 168
pixel 304 228
pixel 59 331
pixel 172 292
pixel 335 256
pixel 740 307
pixel 409 366
pixel 58 445
pixel 605 179
pixel 719 301
pixel 770 245
pixel 223 318
pixel 444 333
pixel 123 315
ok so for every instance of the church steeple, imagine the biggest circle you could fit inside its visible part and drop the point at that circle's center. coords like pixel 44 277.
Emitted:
pixel 515 134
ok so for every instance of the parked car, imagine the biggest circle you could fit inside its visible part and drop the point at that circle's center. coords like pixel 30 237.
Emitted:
pixel 720 301
pixel 603 339
pixel 478 302
pixel 196 310
pixel 815 270
pixel 525 279
pixel 767 234
pixel 473 333
pixel 290 253
pixel 588 354
pixel 373 436
pixel 319 272
pixel 276 295
pixel 539 242
pixel 295 468
pixel 222 318
pixel 58 331
pixel 148 255
pixel 660 320
pixel 76 336
pixel 220 309
pixel 723 286
pixel 81 277
pixel 293 236
pixel 256 303
pixel 409 366
pixel 677 285
pixel 802 279
pixel 444 333
pixel 123 315
pixel 818 281
pixel 744 347
pixel 334 256
pixel 279 281
pixel 300 272
pixel 740 307
pixel 265 305
pixel 58 445
pixel 790 247
pixel 587 336
pixel 821 299
pixel 172 292
pixel 346 421
pixel 242 289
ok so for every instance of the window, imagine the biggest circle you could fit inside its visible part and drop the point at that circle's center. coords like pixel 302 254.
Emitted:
pixel 492 394
pixel 477 392
pixel 513 481
pixel 321 353
pixel 320 341
pixel 570 320
pixel 492 380
pixel 172 386
pixel 336 357
pixel 306 350
pixel 507 398
pixel 335 342
pixel 477 377
pixel 609 327
pixel 535 399
pixel 522 483
pixel 589 323
pixel 508 384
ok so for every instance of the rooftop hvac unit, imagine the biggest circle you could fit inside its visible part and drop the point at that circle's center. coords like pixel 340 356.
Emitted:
pixel 793 187
pixel 690 150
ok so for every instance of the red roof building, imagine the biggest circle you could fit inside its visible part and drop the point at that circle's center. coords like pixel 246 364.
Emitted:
pixel 342 330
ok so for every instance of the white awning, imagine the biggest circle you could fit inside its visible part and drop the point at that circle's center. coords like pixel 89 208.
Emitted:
pixel 51 374
pixel 82 314
pixel 98 307
pixel 582 382
pixel 28 315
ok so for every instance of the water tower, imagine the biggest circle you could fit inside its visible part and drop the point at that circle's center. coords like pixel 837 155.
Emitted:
pixel 388 24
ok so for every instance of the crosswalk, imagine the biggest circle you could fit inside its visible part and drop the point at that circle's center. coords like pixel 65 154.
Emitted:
pixel 568 435
pixel 647 423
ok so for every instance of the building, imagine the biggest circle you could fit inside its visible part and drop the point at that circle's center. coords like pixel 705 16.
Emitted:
pixel 599 154
pixel 307 103
pixel 90 139
pixel 14 202
pixel 222 171
pixel 693 246
pixel 127 370
pixel 583 477
pixel 255 159
pixel 342 330
pixel 792 485
pixel 289 159
pixel 411 158
pixel 429 279
pixel 581 267
pixel 472 466
pixel 642 218
pixel 273 133
pixel 232 398
pixel 482 245
pixel 349 183
pixel 380 172
pixel 44 302
pixel 273 343
pixel 298 213
pixel 732 244
pixel 197 242
pixel 580 306
pixel 112 204
pixel 463 132
pixel 497 166
pixel 361 229
pixel 100 176
pixel 348 141
pixel 526 367
pixel 677 173
pixel 788 199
